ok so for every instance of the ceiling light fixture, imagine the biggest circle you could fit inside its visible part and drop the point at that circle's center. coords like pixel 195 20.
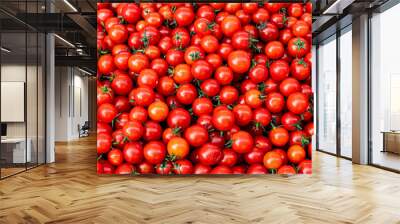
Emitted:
pixel 84 71
pixel 337 7
pixel 5 50
pixel 64 40
pixel 70 5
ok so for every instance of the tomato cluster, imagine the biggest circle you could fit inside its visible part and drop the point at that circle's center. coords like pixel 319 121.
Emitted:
pixel 196 88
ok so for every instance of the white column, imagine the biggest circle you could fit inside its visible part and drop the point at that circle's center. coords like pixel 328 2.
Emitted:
pixel 360 90
pixel 50 98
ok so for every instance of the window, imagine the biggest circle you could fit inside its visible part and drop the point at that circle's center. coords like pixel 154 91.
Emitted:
pixel 346 92
pixel 327 95
pixel 385 89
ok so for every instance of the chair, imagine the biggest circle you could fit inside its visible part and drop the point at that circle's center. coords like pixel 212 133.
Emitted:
pixel 84 129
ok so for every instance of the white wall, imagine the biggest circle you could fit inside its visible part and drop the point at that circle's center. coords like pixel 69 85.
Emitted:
pixel 70 83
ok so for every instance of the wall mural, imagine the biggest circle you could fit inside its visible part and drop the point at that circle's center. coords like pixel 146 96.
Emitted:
pixel 195 88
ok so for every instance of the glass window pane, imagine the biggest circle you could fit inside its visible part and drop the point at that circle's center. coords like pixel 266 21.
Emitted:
pixel 346 93
pixel 327 96
pixel 385 89
pixel 13 86
pixel 31 99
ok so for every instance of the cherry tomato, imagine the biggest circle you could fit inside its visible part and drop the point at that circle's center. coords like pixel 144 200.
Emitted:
pixel 279 136
pixel 104 143
pixel 158 111
pixel 296 154
pixel 115 157
pixel 230 25
pixel 209 154
pixel 183 167
pixel 178 147
pixel 133 152
pixel 223 119
pixel 106 113
pixel 286 169
pixel 196 135
pixel 239 61
pixel 272 160
pixel 154 152
pixel 179 118
pixel 242 142
pixel 297 103
pixel 184 16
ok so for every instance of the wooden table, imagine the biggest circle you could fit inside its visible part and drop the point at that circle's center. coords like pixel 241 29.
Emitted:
pixel 391 141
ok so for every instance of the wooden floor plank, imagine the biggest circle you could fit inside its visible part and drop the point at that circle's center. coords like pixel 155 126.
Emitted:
pixel 69 191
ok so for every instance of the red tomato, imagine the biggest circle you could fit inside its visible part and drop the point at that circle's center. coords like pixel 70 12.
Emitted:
pixel 254 98
pixel 300 69
pixel 133 130
pixel 275 102
pixel 106 113
pixel 272 160
pixel 286 169
pixel 210 87
pixel 201 70
pixel 186 94
pixel 279 70
pixel 154 152
pixel 122 84
pixel 104 95
pixel 133 152
pixel 164 168
pixel 221 170
pixel 105 64
pixel 118 33
pixel 196 135
pixel 279 136
pixel 131 13
pixel 229 158
pixel 298 47
pixel 296 154
pixel 152 131
pixel 209 154
pixel 291 121
pixel 223 119
pixel 255 156
pixel 289 86
pixel 239 61
pixel 158 111
pixel 243 114
pixel 230 25
pixel 202 106
pixel 242 142
pixel 178 147
pixel 209 43
pixel 297 103
pixel 201 169
pixel 138 113
pixel 115 157
pixel 274 50
pixel 179 118
pixel 228 95
pixel 301 28
pixel 183 167
pixel 104 143
pixel 305 167
pixel 256 169
pixel 125 169
pixel 258 73
pixel 184 16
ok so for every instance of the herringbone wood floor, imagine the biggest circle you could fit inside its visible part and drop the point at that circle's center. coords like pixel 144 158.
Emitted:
pixel 69 191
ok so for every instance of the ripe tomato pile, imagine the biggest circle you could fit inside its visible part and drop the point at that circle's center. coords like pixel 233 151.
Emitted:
pixel 195 88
